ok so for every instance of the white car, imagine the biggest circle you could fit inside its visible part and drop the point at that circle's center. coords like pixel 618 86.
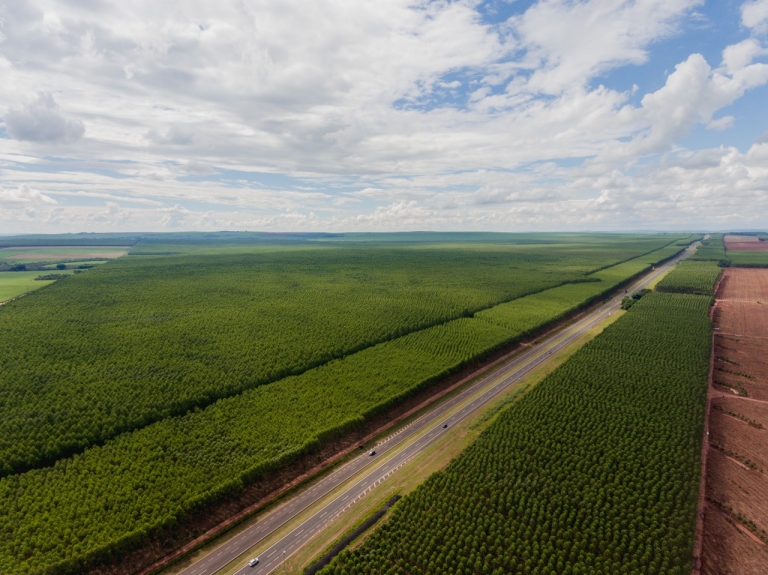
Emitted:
pixel 253 562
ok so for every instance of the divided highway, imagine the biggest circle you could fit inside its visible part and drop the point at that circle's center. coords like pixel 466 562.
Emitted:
pixel 397 449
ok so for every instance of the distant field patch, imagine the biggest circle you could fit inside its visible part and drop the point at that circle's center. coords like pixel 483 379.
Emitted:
pixel 738 239
pixel 745 244
pixel 48 254
pixel 748 259
pixel 65 256
pixel 13 284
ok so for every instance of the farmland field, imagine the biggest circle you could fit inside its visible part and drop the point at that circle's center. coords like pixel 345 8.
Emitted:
pixel 594 471
pixel 749 259
pixel 749 251
pixel 711 249
pixel 745 244
pixel 697 277
pixel 736 509
pixel 147 337
pixel 30 260
pixel 21 255
pixel 13 284
pixel 374 324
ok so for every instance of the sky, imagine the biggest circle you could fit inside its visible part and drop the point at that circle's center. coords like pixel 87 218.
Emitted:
pixel 383 115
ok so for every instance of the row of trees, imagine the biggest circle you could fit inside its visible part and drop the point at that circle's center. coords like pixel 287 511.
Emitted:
pixel 696 277
pixel 114 497
pixel 526 315
pixel 594 471
pixel 145 338
pixel 142 339
pixel 712 249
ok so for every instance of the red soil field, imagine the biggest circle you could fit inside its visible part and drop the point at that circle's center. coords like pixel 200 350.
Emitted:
pixel 740 286
pixel 730 551
pixel 735 530
pixel 745 244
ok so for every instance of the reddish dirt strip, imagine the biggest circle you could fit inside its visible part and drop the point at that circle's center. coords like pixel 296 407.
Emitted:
pixel 735 500
pixel 745 244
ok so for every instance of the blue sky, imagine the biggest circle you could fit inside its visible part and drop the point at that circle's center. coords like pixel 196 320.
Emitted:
pixel 341 115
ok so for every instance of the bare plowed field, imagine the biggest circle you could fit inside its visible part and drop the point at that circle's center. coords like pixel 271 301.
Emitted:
pixel 740 286
pixel 740 365
pixel 735 539
pixel 745 319
pixel 745 244
pixel 728 550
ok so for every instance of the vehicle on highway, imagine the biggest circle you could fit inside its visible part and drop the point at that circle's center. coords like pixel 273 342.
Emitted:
pixel 253 562
pixel 445 425
pixel 372 452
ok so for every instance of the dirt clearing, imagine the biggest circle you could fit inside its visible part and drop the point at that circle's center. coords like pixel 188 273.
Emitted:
pixel 745 244
pixel 737 285
pixel 735 534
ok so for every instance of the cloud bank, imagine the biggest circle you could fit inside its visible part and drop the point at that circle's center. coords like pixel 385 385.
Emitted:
pixel 345 115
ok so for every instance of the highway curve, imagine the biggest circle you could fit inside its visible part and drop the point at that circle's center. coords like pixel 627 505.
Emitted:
pixel 399 450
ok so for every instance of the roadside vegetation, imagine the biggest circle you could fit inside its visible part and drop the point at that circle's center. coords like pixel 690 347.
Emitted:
pixel 596 470
pixel 117 496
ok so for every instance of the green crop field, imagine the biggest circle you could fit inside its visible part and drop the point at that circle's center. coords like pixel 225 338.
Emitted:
pixel 696 277
pixel 712 249
pixel 13 284
pixel 748 259
pixel 166 326
pixel 594 471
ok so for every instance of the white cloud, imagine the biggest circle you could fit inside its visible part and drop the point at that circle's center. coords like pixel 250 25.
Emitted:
pixel 173 217
pixel 754 15
pixel 23 196
pixel 40 121
pixel 113 215
pixel 721 123
pixel 345 113
pixel 693 93
pixel 736 57
pixel 197 167
pixel 571 42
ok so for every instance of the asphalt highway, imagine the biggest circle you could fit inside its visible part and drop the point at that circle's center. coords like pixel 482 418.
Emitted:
pixel 396 450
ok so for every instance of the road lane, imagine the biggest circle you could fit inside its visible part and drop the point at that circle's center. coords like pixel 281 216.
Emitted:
pixel 450 412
